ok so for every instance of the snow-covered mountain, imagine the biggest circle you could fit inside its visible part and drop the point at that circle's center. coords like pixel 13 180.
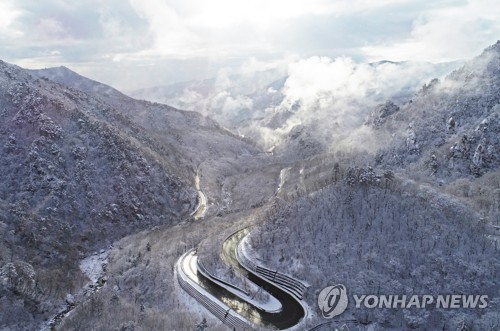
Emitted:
pixel 382 237
pixel 375 180
pixel 189 136
pixel 451 126
pixel 83 165
pixel 267 105
pixel 428 229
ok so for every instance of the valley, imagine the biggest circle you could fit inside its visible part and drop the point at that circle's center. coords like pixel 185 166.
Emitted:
pixel 200 223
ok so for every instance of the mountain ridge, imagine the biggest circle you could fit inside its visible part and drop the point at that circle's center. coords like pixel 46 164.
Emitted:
pixel 78 174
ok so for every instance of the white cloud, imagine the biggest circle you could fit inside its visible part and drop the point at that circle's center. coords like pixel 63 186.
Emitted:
pixel 8 15
pixel 335 95
pixel 171 36
pixel 228 28
pixel 260 13
pixel 237 103
pixel 112 26
pixel 51 30
pixel 310 79
pixel 112 39
pixel 454 32
pixel 268 13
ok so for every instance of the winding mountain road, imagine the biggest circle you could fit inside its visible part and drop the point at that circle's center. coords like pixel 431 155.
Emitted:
pixel 223 301
pixel 292 311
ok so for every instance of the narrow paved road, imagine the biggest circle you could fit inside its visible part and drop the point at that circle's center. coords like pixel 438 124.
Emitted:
pixel 202 200
pixel 189 267
pixel 291 314
pixel 292 311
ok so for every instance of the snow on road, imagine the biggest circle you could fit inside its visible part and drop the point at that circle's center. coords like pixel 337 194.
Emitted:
pixel 202 200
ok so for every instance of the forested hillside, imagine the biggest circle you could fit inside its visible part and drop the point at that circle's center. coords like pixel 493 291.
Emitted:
pixel 383 236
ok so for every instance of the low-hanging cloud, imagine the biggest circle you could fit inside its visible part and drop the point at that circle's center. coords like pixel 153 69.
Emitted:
pixel 323 82
pixel 330 96
pixel 334 96
pixel 230 97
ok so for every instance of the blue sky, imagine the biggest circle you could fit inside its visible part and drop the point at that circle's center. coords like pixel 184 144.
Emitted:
pixel 141 43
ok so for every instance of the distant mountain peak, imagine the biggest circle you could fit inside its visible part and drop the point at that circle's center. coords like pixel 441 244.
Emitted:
pixel 495 46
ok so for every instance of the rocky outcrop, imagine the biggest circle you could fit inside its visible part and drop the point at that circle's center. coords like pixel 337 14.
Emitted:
pixel 300 143
pixel 477 151
pixel 380 114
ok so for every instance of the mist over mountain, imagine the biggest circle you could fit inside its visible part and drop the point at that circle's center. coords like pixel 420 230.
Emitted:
pixel 333 97
pixel 229 98
pixel 268 105
pixel 382 176
pixel 376 219
pixel 300 165
pixel 450 127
